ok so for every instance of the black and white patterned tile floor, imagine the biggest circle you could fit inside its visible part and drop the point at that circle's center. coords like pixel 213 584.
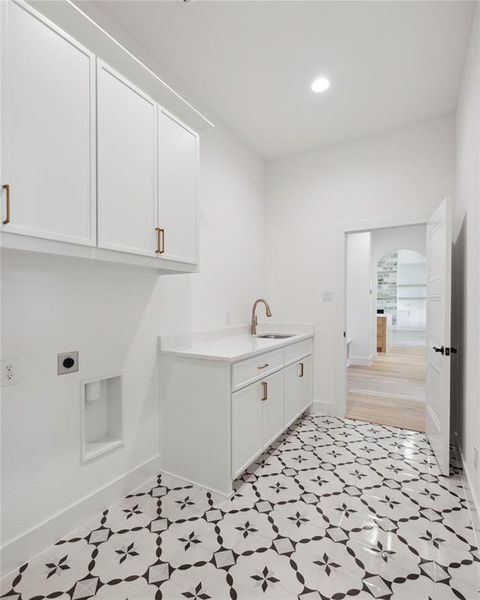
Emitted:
pixel 336 509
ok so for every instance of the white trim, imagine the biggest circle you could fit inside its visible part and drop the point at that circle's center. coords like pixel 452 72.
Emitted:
pixel 320 407
pixel 30 543
pixel 11 241
pixel 340 399
pixel 473 503
pixel 361 361
pixel 200 485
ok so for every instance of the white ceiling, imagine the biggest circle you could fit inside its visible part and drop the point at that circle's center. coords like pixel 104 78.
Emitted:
pixel 251 62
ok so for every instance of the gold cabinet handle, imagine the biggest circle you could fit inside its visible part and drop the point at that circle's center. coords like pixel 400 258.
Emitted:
pixel 265 391
pixel 263 366
pixel 160 240
pixel 6 187
pixel 301 370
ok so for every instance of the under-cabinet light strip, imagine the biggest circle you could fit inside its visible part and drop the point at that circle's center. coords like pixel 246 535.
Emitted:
pixel 137 60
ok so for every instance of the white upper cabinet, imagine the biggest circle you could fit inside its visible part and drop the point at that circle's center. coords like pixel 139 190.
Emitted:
pixel 48 129
pixel 87 157
pixel 127 165
pixel 177 188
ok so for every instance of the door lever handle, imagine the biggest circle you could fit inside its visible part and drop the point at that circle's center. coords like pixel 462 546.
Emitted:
pixel 441 349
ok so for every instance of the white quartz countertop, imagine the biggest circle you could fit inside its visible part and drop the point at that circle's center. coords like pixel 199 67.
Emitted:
pixel 231 348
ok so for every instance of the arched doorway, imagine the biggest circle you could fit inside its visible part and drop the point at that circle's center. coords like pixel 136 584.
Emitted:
pixel 401 296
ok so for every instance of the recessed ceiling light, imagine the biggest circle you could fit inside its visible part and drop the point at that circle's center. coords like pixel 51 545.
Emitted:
pixel 321 84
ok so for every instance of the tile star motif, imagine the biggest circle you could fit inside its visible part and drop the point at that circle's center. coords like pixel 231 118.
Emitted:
pixel 337 509
pixel 126 551
pixel 246 529
pixel 197 593
pixel 61 565
pixel 265 579
pixel 327 564
pixel 130 512
pixel 189 540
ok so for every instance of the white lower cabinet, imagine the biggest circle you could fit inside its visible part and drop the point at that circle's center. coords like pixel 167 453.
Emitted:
pixel 272 408
pixel 257 419
pixel 246 426
pixel 306 386
pixel 298 388
pixel 230 411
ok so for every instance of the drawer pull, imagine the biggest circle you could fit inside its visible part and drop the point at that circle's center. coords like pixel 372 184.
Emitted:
pixel 263 366
pixel 265 391
pixel 301 370
pixel 160 240
pixel 6 187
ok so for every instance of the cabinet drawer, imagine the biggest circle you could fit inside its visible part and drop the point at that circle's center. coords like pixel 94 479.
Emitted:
pixel 297 351
pixel 254 368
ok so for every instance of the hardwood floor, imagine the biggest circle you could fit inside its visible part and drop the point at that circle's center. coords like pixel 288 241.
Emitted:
pixel 391 391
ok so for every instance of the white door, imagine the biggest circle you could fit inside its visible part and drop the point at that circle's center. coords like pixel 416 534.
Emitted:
pixel 272 407
pixel 127 165
pixel 177 188
pixel 305 372
pixel 246 426
pixel 298 388
pixel 439 238
pixel 48 129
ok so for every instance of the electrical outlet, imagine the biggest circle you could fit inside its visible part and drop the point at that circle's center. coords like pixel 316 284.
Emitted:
pixel 67 362
pixel 10 374
pixel 228 318
pixel 475 457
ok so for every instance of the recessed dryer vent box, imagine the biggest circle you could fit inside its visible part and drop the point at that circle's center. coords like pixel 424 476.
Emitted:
pixel 102 416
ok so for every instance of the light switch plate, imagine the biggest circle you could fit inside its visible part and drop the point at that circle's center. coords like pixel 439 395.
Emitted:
pixel 67 362
pixel 327 296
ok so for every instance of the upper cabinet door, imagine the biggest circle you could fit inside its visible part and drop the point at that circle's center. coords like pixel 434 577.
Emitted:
pixel 127 165
pixel 48 138
pixel 177 188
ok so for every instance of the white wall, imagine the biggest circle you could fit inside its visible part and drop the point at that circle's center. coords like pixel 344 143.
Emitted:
pixel 384 241
pixel 113 316
pixel 360 325
pixel 394 174
pixel 466 261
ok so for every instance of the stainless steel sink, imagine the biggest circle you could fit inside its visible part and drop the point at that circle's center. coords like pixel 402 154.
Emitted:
pixel 275 336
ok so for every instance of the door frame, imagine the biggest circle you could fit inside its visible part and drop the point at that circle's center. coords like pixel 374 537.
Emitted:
pixel 341 307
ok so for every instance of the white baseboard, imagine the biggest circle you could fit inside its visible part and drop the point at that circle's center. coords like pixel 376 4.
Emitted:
pixel 361 361
pixel 30 543
pixel 325 408
pixel 472 499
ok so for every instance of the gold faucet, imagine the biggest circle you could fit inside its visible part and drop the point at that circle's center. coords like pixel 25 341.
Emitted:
pixel 253 326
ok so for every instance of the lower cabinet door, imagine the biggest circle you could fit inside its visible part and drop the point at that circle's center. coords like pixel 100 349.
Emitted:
pixel 273 410
pixel 246 426
pixel 298 388
pixel 306 379
pixel 293 391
